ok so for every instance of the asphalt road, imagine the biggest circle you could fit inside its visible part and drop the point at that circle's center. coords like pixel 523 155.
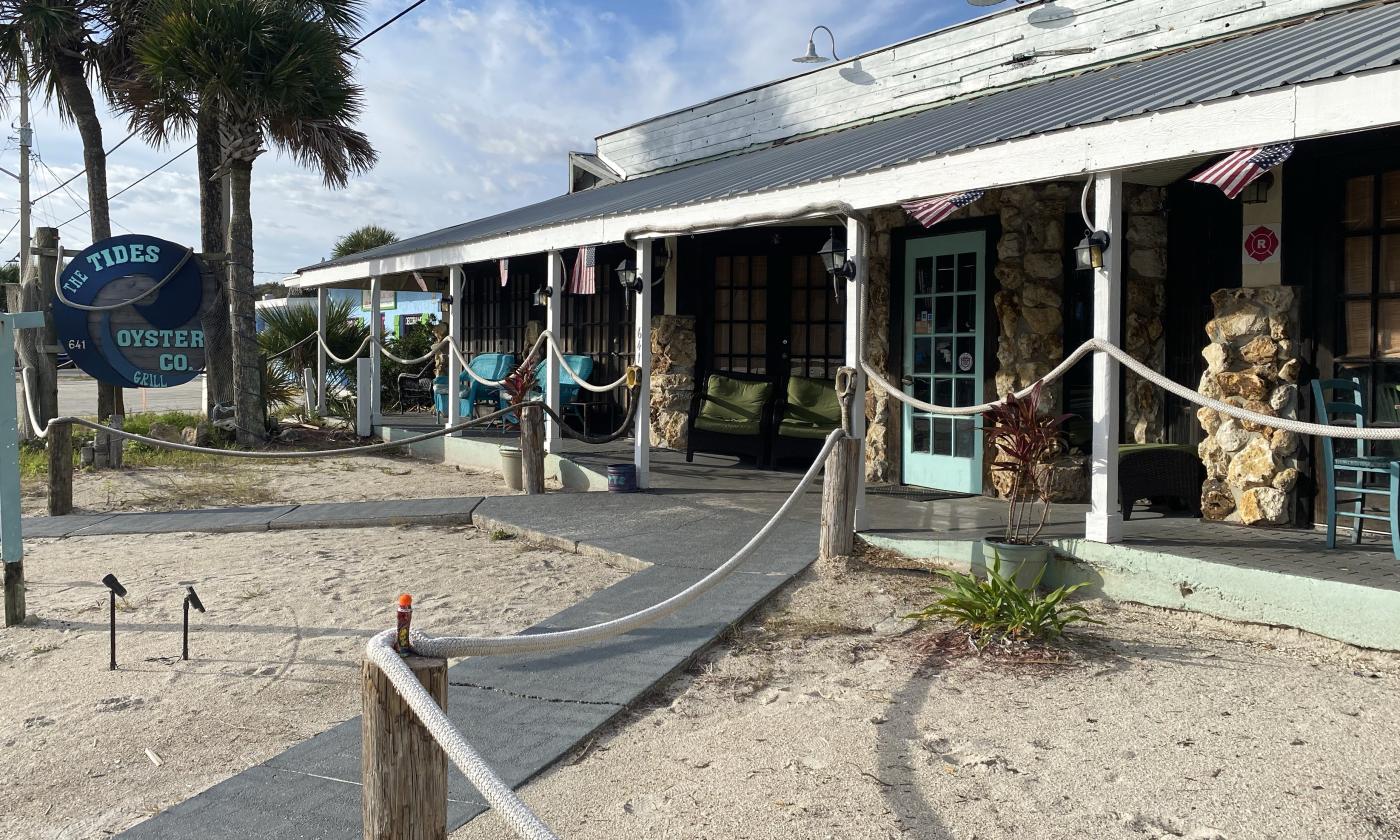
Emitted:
pixel 77 394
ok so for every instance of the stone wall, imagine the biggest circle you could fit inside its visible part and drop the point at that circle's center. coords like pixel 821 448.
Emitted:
pixel 1145 292
pixel 1251 361
pixel 672 378
pixel 882 412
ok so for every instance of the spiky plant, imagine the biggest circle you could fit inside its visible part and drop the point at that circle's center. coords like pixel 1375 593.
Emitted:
pixel 1023 440
pixel 363 239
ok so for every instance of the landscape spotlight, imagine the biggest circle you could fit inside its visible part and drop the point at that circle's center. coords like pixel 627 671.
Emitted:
pixel 191 600
pixel 115 590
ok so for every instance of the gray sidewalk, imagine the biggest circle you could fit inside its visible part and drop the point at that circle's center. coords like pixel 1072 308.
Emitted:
pixel 524 712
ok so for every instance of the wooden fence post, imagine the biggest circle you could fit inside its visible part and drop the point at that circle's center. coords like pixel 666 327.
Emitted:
pixel 403 769
pixel 532 448
pixel 841 478
pixel 60 442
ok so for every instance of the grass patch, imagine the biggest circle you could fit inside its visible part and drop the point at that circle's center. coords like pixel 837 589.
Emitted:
pixel 252 593
pixel 207 488
pixel 502 534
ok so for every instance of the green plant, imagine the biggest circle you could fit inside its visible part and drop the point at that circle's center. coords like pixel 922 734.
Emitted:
pixel 1023 441
pixel 501 534
pixel 286 328
pixel 998 609
pixel 280 386
pixel 413 341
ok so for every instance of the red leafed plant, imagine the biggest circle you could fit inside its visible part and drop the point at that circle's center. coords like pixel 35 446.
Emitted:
pixel 1023 441
pixel 521 381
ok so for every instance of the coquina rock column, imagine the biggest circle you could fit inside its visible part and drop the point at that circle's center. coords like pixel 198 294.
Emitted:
pixel 1252 361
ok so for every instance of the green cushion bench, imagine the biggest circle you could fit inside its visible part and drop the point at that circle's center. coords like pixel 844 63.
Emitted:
pixel 807 413
pixel 730 414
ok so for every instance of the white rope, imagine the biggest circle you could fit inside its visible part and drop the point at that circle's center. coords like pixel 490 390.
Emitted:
pixel 497 793
pixel 512 809
pixel 432 351
pixel 348 359
pixel 285 350
pixel 58 288
pixel 43 431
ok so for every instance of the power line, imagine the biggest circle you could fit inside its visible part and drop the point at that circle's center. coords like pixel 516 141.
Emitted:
pixel 386 24
pixel 129 186
pixel 83 171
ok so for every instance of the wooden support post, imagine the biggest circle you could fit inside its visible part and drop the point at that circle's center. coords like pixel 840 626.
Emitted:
pixel 403 769
pixel 60 442
pixel 840 484
pixel 532 448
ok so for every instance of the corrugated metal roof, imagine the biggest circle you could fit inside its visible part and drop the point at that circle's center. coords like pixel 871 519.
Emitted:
pixel 1338 44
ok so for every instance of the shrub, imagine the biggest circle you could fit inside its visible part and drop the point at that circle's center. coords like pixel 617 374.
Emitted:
pixel 997 609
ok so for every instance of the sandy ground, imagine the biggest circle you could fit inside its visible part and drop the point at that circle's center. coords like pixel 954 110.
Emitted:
pixel 220 482
pixel 824 720
pixel 275 660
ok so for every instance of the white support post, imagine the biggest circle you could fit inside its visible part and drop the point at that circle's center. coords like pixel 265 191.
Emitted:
pixel 454 335
pixel 364 399
pixel 1104 522
pixel 554 321
pixel 376 331
pixel 856 241
pixel 323 296
pixel 641 432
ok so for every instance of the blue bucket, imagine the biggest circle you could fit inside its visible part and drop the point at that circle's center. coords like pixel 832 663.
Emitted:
pixel 622 478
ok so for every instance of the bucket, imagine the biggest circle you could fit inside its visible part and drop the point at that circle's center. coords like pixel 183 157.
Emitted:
pixel 622 478
pixel 513 467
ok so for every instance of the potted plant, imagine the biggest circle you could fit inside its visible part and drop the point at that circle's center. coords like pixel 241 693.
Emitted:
pixel 1023 442
pixel 517 388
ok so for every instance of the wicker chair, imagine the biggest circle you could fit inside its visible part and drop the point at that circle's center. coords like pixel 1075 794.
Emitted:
pixel 1159 471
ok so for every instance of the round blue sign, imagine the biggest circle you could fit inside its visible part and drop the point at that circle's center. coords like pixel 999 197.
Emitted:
pixel 128 312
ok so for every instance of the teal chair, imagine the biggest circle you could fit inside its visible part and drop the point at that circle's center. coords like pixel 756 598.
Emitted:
pixel 568 387
pixel 1349 404
pixel 491 366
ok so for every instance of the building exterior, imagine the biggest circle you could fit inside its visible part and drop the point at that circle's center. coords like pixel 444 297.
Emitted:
pixel 398 309
pixel 1060 121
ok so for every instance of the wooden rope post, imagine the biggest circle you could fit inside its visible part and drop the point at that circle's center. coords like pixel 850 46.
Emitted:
pixel 532 448
pixel 403 769
pixel 839 484
pixel 60 441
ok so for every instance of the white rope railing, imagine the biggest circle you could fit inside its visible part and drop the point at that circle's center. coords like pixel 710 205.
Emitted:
pixel 516 813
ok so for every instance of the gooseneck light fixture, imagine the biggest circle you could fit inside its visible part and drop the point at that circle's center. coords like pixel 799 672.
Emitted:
pixel 1088 254
pixel 114 590
pixel 191 600
pixel 811 57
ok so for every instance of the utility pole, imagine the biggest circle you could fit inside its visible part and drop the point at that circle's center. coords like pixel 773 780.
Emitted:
pixel 26 138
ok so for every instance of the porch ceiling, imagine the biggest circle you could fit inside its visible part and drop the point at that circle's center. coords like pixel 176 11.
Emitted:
pixel 1341 44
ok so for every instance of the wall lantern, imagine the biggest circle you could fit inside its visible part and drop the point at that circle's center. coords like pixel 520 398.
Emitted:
pixel 833 255
pixel 628 276
pixel 1089 254
pixel 542 296
pixel 1257 192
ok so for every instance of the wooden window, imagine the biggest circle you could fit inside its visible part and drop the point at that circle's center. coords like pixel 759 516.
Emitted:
pixel 741 314
pixel 817 320
pixel 1370 272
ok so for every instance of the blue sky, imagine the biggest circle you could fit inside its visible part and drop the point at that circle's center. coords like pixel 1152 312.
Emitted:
pixel 473 105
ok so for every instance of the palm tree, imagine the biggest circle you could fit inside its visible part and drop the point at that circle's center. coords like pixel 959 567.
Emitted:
pixel 54 46
pixel 269 70
pixel 363 239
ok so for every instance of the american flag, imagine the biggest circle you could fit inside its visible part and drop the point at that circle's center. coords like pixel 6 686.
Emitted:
pixel 1238 170
pixel 505 270
pixel 585 277
pixel 930 211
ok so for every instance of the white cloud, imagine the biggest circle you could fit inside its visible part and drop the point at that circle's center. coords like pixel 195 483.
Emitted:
pixel 473 105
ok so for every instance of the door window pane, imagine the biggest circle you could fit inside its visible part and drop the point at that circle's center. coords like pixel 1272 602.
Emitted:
pixel 967 313
pixel 943 355
pixel 943 277
pixel 923 276
pixel 942 436
pixel 922 438
pixel 963 392
pixel 1390 198
pixel 1358 327
pixel 923 315
pixel 1390 263
pixel 963 437
pixel 943 314
pixel 1356 265
pixel 1388 328
pixel 1357 215
pixel 923 358
pixel 966 360
pixel 942 391
pixel 967 272
pixel 922 388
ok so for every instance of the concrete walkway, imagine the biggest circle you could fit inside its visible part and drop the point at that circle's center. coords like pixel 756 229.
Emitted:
pixel 525 712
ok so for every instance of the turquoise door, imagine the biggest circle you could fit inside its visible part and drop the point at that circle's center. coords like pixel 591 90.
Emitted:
pixel 944 305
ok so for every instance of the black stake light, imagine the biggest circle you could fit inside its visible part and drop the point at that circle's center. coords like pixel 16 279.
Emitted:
pixel 114 591
pixel 191 600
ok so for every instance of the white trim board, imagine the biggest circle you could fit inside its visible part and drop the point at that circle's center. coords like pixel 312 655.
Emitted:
pixel 1327 107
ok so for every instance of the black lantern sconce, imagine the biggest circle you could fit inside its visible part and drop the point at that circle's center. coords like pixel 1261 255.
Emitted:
pixel 114 590
pixel 191 600
pixel 834 257
pixel 1089 253
pixel 1257 192
pixel 628 276
pixel 542 295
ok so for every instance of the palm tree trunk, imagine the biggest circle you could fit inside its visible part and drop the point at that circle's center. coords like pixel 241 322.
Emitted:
pixel 249 411
pixel 73 84
pixel 218 340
